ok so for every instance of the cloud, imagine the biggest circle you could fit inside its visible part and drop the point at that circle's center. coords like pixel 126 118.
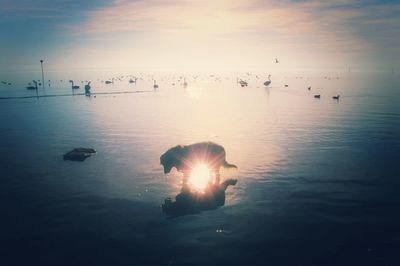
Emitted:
pixel 228 26
pixel 266 21
pixel 240 33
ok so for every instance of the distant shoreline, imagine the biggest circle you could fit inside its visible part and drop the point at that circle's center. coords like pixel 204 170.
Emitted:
pixel 69 95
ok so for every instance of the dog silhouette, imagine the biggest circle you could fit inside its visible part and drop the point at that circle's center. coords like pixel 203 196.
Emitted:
pixel 185 158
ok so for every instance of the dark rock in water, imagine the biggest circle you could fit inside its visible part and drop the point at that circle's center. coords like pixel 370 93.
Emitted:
pixel 79 154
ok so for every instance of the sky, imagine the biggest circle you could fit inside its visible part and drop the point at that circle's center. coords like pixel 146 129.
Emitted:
pixel 199 35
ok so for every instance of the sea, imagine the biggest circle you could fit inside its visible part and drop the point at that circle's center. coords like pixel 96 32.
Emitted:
pixel 318 179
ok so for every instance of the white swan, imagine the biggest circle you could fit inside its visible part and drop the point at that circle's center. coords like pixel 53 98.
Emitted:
pixel 268 82
pixel 74 87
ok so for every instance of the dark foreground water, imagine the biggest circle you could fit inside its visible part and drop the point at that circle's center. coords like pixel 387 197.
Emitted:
pixel 319 180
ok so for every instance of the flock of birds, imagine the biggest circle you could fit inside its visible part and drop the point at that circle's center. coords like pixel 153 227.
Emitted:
pixel 175 80
pixel 244 83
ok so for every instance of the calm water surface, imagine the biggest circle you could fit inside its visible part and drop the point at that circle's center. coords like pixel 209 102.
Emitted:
pixel 318 179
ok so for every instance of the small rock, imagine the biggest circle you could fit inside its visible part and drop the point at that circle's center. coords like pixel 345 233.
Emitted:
pixel 79 154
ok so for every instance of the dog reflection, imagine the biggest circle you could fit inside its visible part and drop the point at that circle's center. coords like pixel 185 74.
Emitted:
pixel 191 202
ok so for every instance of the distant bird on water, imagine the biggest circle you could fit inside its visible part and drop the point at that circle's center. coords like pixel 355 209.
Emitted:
pixel 155 86
pixel 317 96
pixel 336 97
pixel 87 89
pixel 33 87
pixel 109 82
pixel 243 83
pixel 276 61
pixel 74 87
pixel 268 82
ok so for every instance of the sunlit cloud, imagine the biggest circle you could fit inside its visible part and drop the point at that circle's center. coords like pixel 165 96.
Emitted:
pixel 234 34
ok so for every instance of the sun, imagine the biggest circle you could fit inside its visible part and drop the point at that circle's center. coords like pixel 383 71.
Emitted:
pixel 200 177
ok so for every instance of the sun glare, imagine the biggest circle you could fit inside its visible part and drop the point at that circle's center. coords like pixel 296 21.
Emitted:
pixel 200 177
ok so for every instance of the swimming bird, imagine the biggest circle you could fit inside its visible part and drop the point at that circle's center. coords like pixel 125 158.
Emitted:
pixel 87 89
pixel 185 83
pixel 109 82
pixel 243 83
pixel 74 87
pixel 155 86
pixel 33 87
pixel 317 96
pixel 336 97
pixel 309 88
pixel 276 61
pixel 268 82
